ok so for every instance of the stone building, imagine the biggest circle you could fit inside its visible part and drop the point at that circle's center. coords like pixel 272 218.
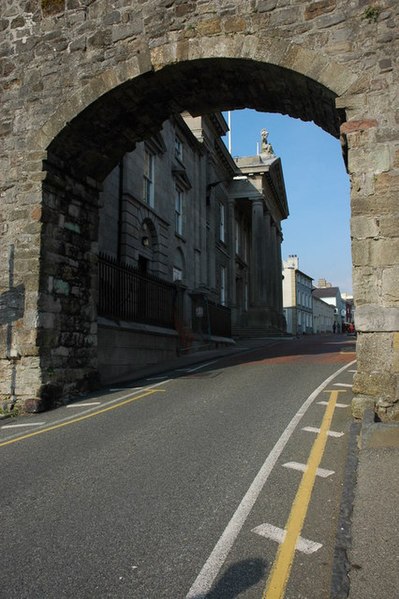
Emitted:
pixel 180 208
pixel 297 297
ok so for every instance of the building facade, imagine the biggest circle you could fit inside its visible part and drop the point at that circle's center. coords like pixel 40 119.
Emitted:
pixel 297 297
pixel 323 316
pixel 181 210
pixel 332 295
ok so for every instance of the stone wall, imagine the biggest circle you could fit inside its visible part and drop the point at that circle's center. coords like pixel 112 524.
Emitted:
pixel 82 82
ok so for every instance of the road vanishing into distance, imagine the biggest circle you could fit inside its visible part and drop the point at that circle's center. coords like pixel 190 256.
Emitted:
pixel 218 480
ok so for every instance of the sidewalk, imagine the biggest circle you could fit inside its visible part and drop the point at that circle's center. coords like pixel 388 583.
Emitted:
pixel 374 555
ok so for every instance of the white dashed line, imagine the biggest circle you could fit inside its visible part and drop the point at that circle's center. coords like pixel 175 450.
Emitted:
pixel 313 429
pixel 343 385
pixel 337 405
pixel 22 425
pixel 302 467
pixel 274 533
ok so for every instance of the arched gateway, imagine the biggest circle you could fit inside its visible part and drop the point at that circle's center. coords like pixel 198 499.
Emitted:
pixel 82 82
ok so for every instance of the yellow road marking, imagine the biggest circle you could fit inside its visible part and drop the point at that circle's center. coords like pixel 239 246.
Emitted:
pixel 80 418
pixel 280 572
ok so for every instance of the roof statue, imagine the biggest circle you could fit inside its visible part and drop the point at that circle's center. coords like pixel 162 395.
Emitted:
pixel 266 148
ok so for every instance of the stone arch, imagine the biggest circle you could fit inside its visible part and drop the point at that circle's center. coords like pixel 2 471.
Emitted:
pixel 229 60
pixel 279 55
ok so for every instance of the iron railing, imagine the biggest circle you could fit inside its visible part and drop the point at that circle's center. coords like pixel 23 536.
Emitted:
pixel 125 293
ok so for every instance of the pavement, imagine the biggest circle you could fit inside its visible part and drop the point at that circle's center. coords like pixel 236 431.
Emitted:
pixel 367 546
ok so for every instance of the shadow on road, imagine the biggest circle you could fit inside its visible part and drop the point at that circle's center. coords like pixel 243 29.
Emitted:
pixel 237 578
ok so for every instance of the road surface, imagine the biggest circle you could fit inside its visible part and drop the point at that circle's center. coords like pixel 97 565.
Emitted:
pixel 219 480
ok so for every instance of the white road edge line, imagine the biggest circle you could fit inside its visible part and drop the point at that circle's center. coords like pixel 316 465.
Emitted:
pixel 116 389
pixel 302 467
pixel 215 561
pixel 202 366
pixel 84 405
pixel 274 533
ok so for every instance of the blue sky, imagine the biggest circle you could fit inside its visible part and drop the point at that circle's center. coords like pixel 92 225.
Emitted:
pixel 317 186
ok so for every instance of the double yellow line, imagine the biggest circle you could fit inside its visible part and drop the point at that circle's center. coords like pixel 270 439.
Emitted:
pixel 281 569
pixel 80 418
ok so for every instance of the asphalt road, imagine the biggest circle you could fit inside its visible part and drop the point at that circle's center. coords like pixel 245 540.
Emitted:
pixel 169 490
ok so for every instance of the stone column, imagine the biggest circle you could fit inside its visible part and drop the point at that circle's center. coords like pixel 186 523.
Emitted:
pixel 279 273
pixel 261 267
pixel 273 266
pixel 231 230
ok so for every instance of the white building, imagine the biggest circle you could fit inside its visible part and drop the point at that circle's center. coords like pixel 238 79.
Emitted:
pixel 297 297
pixel 323 316
pixel 332 295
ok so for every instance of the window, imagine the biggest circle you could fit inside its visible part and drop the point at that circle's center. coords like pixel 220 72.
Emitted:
pixel 178 265
pixel 178 211
pixel 222 232
pixel 223 285
pixel 178 149
pixel 177 274
pixel 237 236
pixel 148 192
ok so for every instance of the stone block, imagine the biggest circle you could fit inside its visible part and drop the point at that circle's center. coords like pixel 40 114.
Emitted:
pixel 389 225
pixel 379 387
pixel 390 286
pixel 209 26
pixel 316 9
pixel 376 318
pixel 360 405
pixel 375 352
pixel 234 25
pixel 363 227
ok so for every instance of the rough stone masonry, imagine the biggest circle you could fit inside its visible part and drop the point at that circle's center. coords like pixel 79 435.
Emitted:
pixel 83 80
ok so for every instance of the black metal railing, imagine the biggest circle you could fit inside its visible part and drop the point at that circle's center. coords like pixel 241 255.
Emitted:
pixel 125 293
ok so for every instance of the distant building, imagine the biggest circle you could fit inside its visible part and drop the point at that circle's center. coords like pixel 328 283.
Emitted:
pixel 297 297
pixel 332 295
pixel 323 316
pixel 349 309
